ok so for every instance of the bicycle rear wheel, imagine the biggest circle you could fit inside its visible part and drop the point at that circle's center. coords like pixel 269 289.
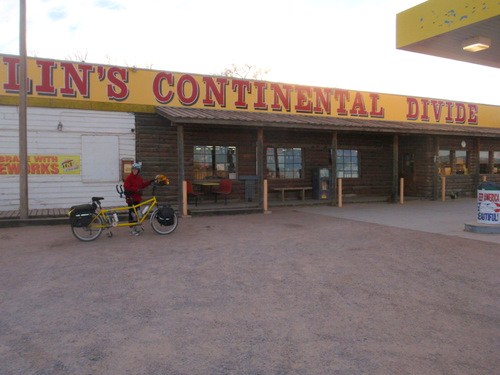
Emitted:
pixel 161 228
pixel 91 231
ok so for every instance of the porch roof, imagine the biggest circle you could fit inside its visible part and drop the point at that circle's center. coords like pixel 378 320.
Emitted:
pixel 203 116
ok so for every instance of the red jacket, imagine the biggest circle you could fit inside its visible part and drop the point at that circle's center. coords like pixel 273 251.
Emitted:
pixel 133 187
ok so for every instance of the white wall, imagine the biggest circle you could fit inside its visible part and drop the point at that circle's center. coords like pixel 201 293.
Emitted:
pixel 79 127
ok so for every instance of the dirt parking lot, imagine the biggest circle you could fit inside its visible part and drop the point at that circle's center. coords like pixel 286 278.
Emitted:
pixel 287 293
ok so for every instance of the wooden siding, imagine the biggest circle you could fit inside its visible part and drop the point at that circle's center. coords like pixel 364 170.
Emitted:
pixel 157 148
pixel 61 191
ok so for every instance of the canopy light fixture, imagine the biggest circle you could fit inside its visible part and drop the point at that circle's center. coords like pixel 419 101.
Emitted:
pixel 476 44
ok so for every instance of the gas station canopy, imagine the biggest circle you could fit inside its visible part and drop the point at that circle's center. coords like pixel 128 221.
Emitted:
pixel 451 29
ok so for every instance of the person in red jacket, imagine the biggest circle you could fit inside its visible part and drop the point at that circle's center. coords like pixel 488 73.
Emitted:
pixel 133 186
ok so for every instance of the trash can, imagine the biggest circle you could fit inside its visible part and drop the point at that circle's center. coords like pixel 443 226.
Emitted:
pixel 488 203
pixel 250 187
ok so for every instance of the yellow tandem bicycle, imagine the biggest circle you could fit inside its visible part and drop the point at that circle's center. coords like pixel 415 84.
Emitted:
pixel 89 220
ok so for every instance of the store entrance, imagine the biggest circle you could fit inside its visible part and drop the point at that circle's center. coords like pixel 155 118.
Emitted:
pixel 408 173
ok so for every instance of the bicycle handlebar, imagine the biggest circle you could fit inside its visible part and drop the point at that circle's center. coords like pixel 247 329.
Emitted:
pixel 120 190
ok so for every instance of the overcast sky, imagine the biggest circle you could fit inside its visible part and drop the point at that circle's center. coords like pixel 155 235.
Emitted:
pixel 347 44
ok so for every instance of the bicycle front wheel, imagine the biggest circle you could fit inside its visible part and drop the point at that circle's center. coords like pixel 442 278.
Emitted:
pixel 91 231
pixel 160 228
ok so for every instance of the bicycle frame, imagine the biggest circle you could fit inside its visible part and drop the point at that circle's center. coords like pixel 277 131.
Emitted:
pixel 163 219
pixel 107 214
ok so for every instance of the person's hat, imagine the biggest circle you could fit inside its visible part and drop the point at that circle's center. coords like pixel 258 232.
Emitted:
pixel 137 165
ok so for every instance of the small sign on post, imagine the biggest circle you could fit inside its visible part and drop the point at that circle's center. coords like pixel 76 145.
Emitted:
pixel 488 203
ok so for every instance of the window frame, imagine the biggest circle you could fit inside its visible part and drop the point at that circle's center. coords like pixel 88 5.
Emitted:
pixel 495 162
pixel 358 164
pixel 275 173
pixel 461 168
pixel 488 162
pixel 444 166
pixel 215 164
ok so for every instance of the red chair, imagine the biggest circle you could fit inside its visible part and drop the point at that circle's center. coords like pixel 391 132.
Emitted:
pixel 225 187
pixel 192 193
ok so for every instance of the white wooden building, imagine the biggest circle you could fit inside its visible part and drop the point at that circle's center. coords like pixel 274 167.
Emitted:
pixel 92 146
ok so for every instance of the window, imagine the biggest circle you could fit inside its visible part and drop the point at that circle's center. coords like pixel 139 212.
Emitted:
pixel 347 164
pixel 461 162
pixel 496 162
pixel 444 162
pixel 484 162
pixel 284 162
pixel 217 161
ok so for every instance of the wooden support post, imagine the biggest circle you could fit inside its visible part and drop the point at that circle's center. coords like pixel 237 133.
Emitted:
pixel 395 167
pixel 259 150
pixel 184 199
pixel 340 192
pixel 443 188
pixel 401 190
pixel 180 166
pixel 265 201
pixel 435 175
pixel 333 157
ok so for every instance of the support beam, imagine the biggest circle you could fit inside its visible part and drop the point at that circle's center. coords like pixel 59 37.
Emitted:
pixel 395 168
pixel 436 179
pixel 259 151
pixel 333 169
pixel 23 118
pixel 180 167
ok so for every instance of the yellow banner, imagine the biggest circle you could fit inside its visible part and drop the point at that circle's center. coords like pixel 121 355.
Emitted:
pixel 81 85
pixel 41 164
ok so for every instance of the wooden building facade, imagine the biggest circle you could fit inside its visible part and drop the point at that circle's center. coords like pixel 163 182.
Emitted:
pixel 381 153
pixel 197 128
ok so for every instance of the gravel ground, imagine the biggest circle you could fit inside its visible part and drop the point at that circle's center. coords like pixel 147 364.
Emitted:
pixel 287 293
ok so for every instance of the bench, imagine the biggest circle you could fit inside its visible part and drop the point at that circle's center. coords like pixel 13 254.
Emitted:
pixel 301 189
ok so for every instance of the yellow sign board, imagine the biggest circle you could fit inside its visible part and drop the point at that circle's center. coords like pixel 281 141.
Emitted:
pixel 82 85
pixel 435 17
pixel 41 164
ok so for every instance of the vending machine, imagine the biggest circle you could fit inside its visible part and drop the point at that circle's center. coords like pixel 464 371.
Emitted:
pixel 321 184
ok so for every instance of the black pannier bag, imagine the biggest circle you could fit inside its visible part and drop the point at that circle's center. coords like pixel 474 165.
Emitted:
pixel 81 216
pixel 165 215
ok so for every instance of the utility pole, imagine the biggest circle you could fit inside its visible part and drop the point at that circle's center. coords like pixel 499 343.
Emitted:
pixel 23 117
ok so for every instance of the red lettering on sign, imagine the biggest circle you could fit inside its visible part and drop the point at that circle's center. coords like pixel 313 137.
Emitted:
pixel 437 107
pixel 304 103
pixel 280 96
pixel 323 100
pixel 425 110
pixel 358 107
pixel 341 96
pixel 473 109
pixel 261 95
pixel 71 77
pixel 118 89
pixel 241 87
pixel 460 118
pixel 47 78
pixel 456 112
pixel 12 84
pixel 188 80
pixel 449 112
pixel 374 112
pixel 157 87
pixel 412 113
pixel 218 92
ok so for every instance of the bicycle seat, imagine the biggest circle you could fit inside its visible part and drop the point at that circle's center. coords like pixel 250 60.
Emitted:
pixel 97 199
